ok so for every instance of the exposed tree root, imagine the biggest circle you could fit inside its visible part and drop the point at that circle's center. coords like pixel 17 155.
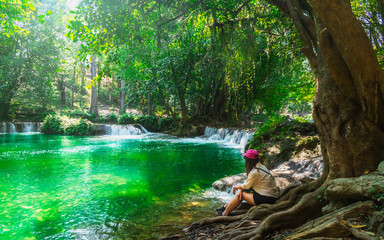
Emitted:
pixel 309 207
pixel 213 220
pixel 297 205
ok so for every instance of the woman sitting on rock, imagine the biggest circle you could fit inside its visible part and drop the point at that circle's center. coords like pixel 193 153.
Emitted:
pixel 259 186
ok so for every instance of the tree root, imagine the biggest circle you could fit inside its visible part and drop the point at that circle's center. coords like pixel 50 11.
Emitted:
pixel 213 220
pixel 297 205
pixel 309 207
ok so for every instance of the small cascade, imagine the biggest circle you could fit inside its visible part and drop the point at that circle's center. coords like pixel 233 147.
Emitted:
pixel 19 127
pixel 235 137
pixel 12 127
pixel 117 130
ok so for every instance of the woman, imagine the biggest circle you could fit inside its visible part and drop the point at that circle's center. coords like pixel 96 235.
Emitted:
pixel 259 187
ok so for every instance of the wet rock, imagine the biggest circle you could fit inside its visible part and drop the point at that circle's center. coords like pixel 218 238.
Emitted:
pixel 354 189
pixel 381 167
pixel 335 224
pixel 287 173
pixel 226 184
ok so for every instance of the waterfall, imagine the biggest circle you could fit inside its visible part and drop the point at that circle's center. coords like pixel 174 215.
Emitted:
pixel 134 129
pixel 12 127
pixel 231 136
pixel 19 127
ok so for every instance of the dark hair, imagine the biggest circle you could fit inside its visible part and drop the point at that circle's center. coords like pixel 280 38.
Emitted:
pixel 250 164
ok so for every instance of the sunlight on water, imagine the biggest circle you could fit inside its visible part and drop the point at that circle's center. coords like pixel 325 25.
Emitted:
pixel 108 187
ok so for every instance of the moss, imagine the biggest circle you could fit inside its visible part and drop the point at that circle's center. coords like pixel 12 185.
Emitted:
pixel 290 136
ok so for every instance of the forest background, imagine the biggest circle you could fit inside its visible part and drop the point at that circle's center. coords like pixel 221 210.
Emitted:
pixel 213 60
pixel 210 60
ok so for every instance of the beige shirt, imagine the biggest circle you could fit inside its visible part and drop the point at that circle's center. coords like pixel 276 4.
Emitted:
pixel 262 182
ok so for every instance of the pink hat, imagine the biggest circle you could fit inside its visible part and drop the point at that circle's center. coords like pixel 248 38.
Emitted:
pixel 251 154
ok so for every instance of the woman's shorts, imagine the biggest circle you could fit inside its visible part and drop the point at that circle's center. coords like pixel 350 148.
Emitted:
pixel 259 199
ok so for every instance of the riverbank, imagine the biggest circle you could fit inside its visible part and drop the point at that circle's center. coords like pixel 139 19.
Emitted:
pixel 351 208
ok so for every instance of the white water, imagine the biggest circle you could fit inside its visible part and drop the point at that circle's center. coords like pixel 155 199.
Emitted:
pixel 19 127
pixel 237 138
pixel 120 130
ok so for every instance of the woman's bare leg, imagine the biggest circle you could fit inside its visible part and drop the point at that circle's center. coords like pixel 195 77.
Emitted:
pixel 235 202
pixel 248 197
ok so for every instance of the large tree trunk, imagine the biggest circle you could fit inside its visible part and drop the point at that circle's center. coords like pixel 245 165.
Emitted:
pixel 348 105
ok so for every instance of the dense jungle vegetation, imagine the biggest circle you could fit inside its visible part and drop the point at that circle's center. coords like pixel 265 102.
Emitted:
pixel 207 60
pixel 189 59
pixel 218 60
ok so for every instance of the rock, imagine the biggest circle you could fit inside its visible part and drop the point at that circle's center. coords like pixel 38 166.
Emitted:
pixel 287 173
pixel 381 167
pixel 333 225
pixel 354 189
pixel 226 184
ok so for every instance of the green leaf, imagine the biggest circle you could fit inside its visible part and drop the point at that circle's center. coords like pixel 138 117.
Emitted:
pixel 31 6
pixel 49 13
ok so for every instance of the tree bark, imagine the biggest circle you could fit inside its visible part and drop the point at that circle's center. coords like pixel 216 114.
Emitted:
pixel 348 105
pixel 4 110
pixel 61 87
pixel 122 97
pixel 94 109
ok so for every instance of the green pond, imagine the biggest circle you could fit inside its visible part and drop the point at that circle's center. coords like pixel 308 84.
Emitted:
pixel 108 187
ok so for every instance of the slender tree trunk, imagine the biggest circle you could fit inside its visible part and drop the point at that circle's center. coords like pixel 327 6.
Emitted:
pixel 73 85
pixel 94 109
pixel 122 97
pixel 4 110
pixel 61 87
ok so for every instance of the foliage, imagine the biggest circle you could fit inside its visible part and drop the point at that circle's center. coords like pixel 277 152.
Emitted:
pixel 62 124
pixel 52 125
pixel 126 118
pixel 282 127
pixel 378 197
pixel 112 117
pixel 149 122
pixel 167 124
pixel 76 113
pixel 76 126
pixel 12 14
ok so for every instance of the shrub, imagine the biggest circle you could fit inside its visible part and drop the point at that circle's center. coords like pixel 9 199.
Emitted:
pixel 76 113
pixel 78 126
pixel 112 118
pixel 52 125
pixel 62 124
pixel 126 118
pixel 149 122
pixel 167 124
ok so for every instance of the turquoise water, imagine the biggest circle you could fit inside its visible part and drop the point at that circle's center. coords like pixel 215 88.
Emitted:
pixel 143 187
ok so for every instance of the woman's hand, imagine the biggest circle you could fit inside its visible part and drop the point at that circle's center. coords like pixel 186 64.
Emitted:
pixel 239 195
pixel 238 187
